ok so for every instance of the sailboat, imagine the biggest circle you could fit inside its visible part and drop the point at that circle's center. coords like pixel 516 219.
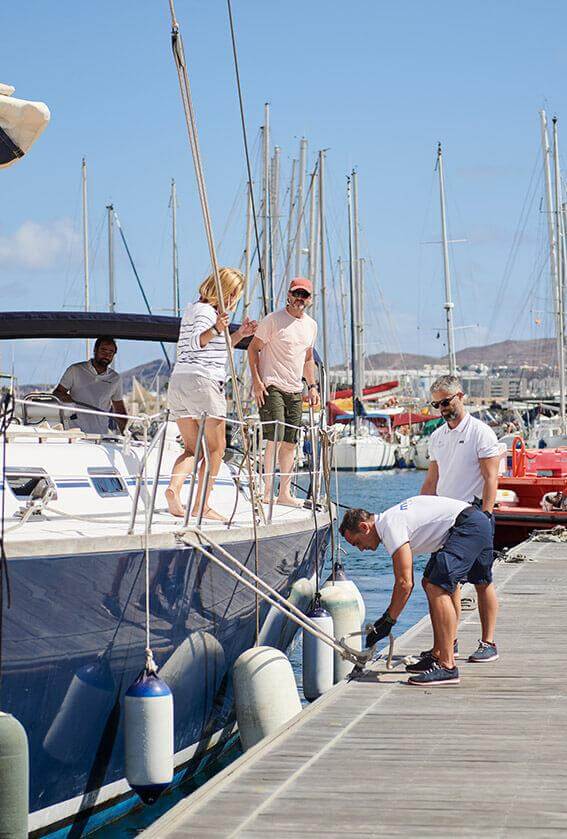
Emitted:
pixel 360 448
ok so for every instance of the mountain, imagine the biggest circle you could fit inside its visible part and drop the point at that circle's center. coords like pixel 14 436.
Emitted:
pixel 539 352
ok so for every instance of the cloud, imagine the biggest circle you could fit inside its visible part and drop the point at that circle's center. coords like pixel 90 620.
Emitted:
pixel 37 246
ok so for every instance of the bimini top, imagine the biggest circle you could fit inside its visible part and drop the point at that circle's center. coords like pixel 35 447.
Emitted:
pixel 128 327
pixel 93 324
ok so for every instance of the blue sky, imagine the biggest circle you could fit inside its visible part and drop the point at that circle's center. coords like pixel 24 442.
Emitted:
pixel 376 83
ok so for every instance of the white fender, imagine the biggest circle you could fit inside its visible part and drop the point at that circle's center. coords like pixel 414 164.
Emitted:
pixel 265 693
pixel 148 732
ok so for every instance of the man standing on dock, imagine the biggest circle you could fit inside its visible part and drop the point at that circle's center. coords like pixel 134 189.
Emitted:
pixel 458 536
pixel 463 464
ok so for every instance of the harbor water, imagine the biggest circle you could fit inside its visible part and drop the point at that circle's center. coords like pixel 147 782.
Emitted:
pixel 372 572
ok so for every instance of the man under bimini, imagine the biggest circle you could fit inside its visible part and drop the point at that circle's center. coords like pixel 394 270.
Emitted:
pixel 281 356
pixel 459 538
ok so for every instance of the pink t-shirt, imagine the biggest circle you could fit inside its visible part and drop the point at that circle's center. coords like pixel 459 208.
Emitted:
pixel 286 340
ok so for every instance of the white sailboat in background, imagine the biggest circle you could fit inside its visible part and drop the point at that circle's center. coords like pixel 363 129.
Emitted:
pixel 360 448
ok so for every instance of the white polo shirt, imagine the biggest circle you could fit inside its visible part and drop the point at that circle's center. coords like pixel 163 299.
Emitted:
pixel 424 521
pixel 91 388
pixel 456 452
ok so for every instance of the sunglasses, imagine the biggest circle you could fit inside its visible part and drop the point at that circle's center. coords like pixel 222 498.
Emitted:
pixel 300 292
pixel 444 403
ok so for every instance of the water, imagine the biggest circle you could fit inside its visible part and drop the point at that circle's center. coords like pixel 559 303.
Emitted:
pixel 372 572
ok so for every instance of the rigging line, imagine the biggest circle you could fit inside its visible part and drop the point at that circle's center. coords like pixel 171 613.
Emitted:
pixel 261 267
pixel 140 286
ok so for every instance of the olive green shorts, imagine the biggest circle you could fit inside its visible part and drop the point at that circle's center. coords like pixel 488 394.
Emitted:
pixel 285 408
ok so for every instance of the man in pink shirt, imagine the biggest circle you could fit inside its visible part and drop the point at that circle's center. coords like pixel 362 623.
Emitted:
pixel 281 356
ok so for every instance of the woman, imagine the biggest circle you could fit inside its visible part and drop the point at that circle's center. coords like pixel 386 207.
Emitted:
pixel 197 384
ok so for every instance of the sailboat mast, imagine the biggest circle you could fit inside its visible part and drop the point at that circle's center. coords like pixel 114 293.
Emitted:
pixel 359 291
pixel 344 315
pixel 560 275
pixel 311 256
pixel 449 305
pixel 290 229
pixel 111 287
pixel 85 246
pixel 247 255
pixel 266 254
pixel 175 264
pixel 300 191
pixel 275 206
pixel 352 311
pixel 324 395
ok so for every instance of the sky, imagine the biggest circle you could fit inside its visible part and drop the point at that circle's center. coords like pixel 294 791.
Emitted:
pixel 376 84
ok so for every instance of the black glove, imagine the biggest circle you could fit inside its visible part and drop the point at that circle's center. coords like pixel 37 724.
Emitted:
pixel 380 629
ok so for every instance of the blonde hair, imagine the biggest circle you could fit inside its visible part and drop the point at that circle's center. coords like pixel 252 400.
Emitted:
pixel 232 284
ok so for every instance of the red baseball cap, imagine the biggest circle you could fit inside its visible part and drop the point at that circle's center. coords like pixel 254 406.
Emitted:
pixel 301 282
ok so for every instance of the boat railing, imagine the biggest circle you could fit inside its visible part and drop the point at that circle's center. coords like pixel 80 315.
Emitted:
pixel 157 423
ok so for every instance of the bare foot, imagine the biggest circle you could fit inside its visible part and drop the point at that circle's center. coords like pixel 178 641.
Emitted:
pixel 174 504
pixel 289 501
pixel 210 515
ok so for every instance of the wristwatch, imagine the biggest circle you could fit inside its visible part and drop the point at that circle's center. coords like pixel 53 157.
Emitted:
pixel 310 386
pixel 215 330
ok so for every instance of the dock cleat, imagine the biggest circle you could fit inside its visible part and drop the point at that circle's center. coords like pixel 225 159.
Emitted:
pixel 435 676
pixel 484 653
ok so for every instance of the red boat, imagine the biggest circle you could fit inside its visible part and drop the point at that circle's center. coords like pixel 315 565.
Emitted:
pixel 533 496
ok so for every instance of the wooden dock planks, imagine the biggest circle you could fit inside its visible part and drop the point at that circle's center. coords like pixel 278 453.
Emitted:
pixel 381 758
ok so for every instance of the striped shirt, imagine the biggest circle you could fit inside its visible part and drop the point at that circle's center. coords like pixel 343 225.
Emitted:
pixel 209 361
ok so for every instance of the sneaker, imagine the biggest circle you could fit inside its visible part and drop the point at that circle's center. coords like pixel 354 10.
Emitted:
pixel 424 663
pixel 485 652
pixel 429 653
pixel 436 675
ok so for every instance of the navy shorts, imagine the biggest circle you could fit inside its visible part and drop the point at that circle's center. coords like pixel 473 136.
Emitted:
pixel 467 554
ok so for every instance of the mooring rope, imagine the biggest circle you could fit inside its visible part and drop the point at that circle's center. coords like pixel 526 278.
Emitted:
pixel 151 666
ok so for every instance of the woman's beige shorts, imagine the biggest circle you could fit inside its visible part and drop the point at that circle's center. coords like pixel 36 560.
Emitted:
pixel 189 395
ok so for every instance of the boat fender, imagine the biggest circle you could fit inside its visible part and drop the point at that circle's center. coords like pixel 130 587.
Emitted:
pixel 342 604
pixel 277 627
pixel 14 778
pixel 265 693
pixel 342 579
pixel 318 657
pixel 148 732
pixel 81 717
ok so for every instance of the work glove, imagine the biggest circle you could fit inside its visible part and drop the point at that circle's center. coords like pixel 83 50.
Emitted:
pixel 379 629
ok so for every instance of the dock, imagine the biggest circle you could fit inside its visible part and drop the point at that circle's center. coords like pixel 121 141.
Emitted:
pixel 377 757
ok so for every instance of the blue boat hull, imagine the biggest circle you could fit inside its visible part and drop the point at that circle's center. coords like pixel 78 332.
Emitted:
pixel 74 641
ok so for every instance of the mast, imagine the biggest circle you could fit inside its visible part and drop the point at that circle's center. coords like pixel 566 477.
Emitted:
pixel 275 206
pixel 111 287
pixel 359 291
pixel 312 254
pixel 85 246
pixel 449 305
pixel 289 249
pixel 300 190
pixel 344 315
pixel 266 251
pixel 352 311
pixel 560 275
pixel 247 254
pixel 175 264
pixel 325 395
